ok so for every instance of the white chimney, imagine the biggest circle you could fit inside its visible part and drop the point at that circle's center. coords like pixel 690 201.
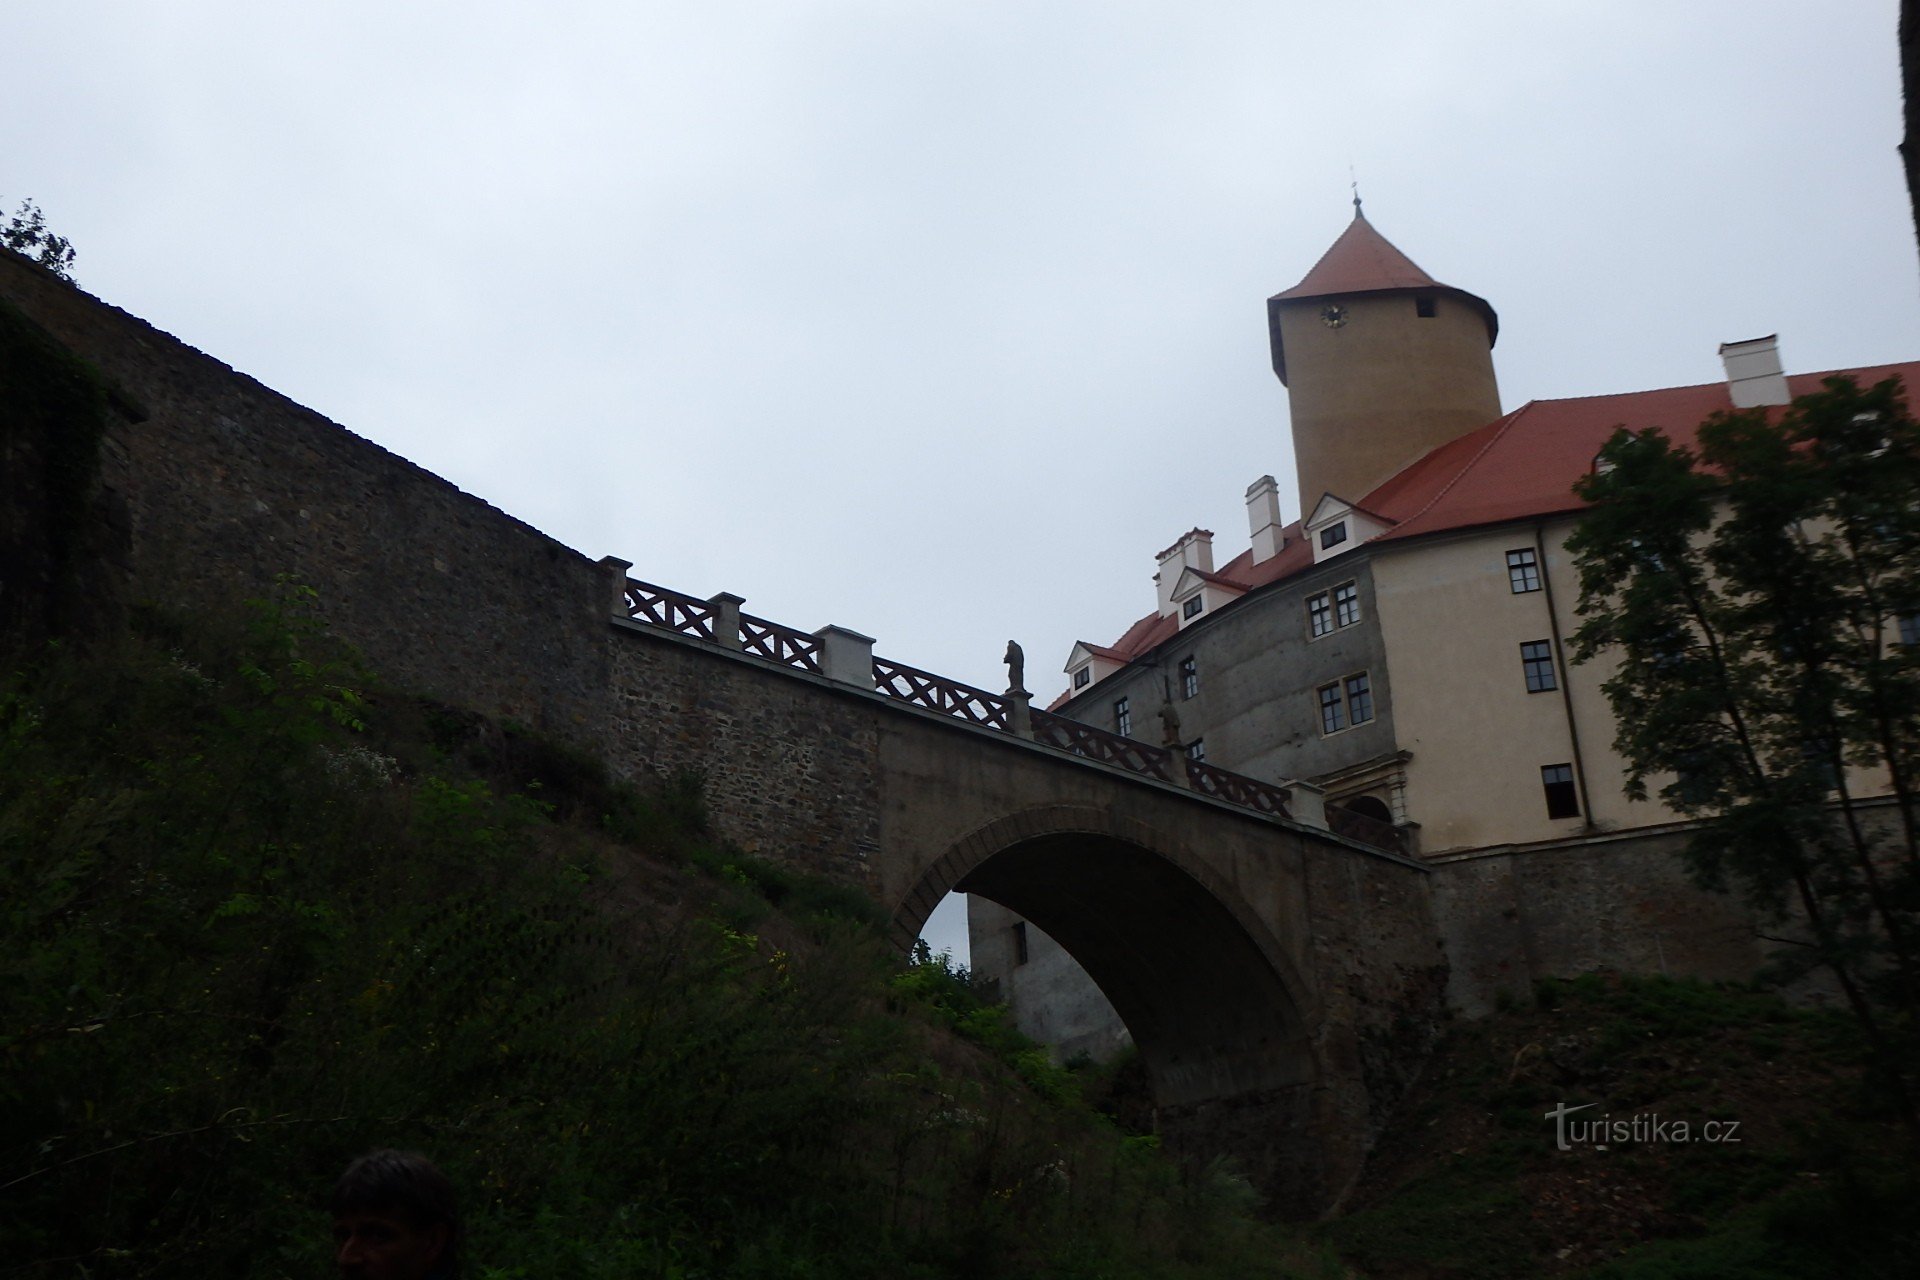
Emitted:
pixel 1193 549
pixel 1263 518
pixel 1754 377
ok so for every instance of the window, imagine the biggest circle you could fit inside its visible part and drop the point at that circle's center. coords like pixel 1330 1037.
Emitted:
pixel 1345 703
pixel 1191 607
pixel 1333 712
pixel 1346 605
pixel 1424 308
pixel 1557 780
pixel 1123 718
pixel 1333 535
pixel 1910 629
pixel 1326 610
pixel 1319 614
pixel 1523 571
pixel 1536 659
pixel 1189 678
pixel 1020 943
pixel 1083 677
pixel 1197 749
pixel 1359 699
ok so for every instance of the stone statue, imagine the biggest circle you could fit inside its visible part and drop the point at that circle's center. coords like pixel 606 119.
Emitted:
pixel 1169 725
pixel 1016 662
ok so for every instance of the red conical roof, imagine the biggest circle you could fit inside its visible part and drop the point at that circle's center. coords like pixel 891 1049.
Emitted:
pixel 1360 261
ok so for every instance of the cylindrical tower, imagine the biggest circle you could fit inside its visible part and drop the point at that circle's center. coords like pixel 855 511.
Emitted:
pixel 1381 362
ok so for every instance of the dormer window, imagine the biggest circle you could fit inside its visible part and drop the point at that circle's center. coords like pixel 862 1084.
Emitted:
pixel 1083 677
pixel 1333 535
pixel 1192 606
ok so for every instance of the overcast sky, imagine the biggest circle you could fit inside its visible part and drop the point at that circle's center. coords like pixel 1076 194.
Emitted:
pixel 937 320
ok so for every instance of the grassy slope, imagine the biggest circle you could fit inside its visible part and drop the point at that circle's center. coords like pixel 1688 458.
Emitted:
pixel 258 914
pixel 1472 1184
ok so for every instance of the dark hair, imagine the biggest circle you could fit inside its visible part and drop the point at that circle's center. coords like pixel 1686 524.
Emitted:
pixel 404 1183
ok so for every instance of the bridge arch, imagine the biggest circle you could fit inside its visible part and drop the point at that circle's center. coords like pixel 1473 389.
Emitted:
pixel 1215 1004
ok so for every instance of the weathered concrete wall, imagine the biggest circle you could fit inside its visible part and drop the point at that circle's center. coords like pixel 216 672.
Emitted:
pixel 229 484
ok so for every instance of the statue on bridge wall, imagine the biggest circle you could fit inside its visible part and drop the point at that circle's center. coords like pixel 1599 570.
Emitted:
pixel 1016 661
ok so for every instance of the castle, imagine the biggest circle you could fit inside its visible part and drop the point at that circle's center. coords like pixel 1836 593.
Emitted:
pixel 1402 646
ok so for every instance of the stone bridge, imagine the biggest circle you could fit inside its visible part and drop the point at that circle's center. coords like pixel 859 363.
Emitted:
pixel 1278 978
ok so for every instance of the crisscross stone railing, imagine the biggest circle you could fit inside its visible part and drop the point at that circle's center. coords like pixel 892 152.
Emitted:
pixel 937 693
pixel 674 610
pixel 1236 788
pixel 784 645
pixel 847 656
pixel 1108 748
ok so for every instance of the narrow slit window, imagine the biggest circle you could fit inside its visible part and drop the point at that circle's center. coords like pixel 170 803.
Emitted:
pixel 1020 943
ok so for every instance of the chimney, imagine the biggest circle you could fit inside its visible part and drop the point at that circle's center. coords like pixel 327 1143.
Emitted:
pixel 1263 518
pixel 1193 549
pixel 1753 372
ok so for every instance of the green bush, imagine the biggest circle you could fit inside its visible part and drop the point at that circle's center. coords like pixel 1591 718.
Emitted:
pixel 258 915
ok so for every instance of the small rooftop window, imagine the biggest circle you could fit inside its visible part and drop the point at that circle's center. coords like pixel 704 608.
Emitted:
pixel 1194 605
pixel 1424 308
pixel 1333 535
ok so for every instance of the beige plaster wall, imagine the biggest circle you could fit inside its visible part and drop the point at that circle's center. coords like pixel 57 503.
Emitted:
pixel 1478 738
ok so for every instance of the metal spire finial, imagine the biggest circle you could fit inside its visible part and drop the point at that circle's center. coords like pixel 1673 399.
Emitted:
pixel 1354 182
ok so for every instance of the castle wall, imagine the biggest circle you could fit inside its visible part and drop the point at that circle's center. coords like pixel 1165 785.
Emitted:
pixel 789 760
pixel 1512 918
pixel 228 485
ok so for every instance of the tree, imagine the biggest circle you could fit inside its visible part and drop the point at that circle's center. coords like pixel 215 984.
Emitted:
pixel 1762 596
pixel 26 233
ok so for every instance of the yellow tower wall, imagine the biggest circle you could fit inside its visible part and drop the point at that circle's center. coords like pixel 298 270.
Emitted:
pixel 1375 393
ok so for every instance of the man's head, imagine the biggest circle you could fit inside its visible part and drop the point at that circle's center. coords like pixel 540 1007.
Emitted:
pixel 394 1219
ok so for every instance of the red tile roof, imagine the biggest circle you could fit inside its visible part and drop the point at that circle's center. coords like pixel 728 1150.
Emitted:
pixel 1525 464
pixel 1520 467
pixel 1363 261
pixel 1360 261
